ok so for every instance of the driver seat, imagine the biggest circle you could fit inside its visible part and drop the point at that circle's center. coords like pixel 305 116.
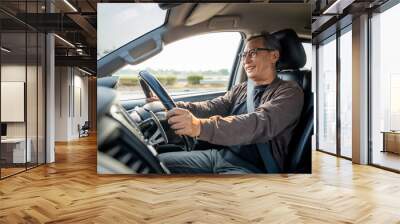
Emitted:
pixel 293 58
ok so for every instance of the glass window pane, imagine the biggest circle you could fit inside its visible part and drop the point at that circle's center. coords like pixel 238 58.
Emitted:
pixel 13 84
pixel 327 96
pixel 346 94
pixel 121 23
pixel 22 84
pixel 385 84
pixel 194 65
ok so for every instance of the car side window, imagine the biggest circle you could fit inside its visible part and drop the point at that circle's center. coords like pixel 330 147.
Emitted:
pixel 198 64
pixel 308 50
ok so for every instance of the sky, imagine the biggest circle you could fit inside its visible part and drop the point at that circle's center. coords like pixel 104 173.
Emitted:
pixel 118 23
pixel 204 52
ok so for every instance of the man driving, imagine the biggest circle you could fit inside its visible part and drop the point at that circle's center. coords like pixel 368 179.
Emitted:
pixel 228 121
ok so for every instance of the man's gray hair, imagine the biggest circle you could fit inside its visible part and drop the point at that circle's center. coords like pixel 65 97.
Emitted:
pixel 270 41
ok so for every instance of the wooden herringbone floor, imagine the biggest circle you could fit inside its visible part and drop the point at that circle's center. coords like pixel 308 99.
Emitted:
pixel 70 191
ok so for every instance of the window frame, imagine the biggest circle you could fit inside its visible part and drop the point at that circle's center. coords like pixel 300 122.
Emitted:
pixel 378 10
pixel 342 32
pixel 333 37
pixel 41 37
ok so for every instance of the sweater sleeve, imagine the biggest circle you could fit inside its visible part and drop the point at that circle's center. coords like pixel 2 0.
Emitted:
pixel 269 120
pixel 205 109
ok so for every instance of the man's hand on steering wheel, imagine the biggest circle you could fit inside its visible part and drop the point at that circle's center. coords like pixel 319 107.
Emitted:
pixel 184 122
pixel 150 84
pixel 152 99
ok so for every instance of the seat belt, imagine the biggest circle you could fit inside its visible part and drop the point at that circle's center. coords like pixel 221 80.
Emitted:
pixel 263 148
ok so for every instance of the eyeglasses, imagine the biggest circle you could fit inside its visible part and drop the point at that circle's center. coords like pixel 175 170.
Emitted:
pixel 252 52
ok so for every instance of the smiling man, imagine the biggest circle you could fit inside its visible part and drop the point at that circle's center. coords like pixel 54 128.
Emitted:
pixel 227 121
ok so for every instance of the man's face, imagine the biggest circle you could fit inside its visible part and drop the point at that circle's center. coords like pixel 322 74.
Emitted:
pixel 262 65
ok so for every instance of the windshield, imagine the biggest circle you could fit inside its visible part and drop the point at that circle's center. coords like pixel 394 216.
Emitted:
pixel 195 64
pixel 120 23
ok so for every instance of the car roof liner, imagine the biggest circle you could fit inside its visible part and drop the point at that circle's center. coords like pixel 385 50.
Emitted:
pixel 203 11
pixel 166 6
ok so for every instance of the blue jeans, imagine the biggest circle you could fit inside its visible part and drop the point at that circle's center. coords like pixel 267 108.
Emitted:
pixel 206 161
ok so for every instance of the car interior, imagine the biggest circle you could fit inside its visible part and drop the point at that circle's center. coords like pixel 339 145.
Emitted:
pixel 135 132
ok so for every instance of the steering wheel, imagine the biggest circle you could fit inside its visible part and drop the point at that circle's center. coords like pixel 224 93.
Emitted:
pixel 149 81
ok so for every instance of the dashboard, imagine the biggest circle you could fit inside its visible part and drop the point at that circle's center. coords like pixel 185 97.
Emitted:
pixel 126 142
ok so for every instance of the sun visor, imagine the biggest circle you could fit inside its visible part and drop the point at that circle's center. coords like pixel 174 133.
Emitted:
pixel 224 22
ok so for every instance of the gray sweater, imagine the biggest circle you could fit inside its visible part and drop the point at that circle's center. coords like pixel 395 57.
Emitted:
pixel 274 120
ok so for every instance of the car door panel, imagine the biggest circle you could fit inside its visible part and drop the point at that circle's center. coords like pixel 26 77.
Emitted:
pixel 194 97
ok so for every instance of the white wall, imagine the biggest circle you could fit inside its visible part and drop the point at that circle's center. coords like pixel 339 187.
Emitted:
pixel 61 103
pixel 360 90
pixel 33 126
pixel 50 95
pixel 16 73
pixel 71 94
pixel 13 73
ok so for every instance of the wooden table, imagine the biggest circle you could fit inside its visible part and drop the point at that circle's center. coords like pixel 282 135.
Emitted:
pixel 391 141
pixel 13 150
